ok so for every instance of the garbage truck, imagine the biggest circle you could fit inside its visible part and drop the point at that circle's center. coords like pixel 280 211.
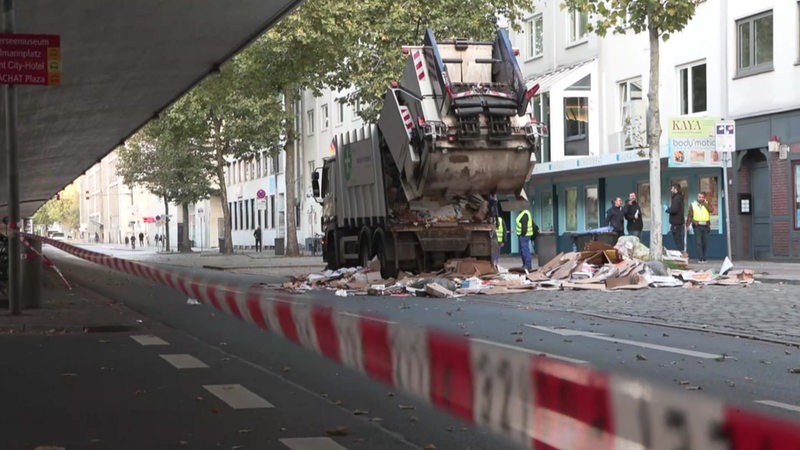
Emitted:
pixel 417 188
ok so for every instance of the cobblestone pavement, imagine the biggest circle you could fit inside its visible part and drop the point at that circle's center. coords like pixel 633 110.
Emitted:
pixel 766 310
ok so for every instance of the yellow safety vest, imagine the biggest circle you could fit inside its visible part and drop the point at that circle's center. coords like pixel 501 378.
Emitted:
pixel 529 231
pixel 700 213
pixel 500 230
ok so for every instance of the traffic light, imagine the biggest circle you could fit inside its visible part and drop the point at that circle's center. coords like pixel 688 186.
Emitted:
pixel 87 194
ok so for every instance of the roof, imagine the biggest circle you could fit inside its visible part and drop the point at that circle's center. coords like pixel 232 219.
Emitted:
pixel 549 79
pixel 122 62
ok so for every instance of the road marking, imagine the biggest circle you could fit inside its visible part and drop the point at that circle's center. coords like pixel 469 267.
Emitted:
pixel 775 404
pixel 314 443
pixel 603 337
pixel 533 352
pixel 237 396
pixel 184 361
pixel 149 339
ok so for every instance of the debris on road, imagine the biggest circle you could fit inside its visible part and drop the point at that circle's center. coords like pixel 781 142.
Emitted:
pixel 598 267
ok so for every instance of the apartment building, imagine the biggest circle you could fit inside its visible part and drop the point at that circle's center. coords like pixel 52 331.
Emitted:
pixel 727 63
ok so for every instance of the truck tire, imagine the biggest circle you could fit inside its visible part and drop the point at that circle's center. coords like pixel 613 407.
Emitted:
pixel 385 253
pixel 364 249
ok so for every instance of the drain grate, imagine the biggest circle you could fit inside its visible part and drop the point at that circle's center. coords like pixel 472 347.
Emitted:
pixel 111 328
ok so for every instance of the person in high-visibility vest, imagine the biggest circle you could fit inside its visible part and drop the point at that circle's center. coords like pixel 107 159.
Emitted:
pixel 501 237
pixel 524 231
pixel 700 220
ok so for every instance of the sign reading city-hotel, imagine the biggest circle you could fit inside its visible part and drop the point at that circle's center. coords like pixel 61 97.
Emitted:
pixel 30 59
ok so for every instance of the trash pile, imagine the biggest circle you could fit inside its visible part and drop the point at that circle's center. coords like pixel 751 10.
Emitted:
pixel 598 267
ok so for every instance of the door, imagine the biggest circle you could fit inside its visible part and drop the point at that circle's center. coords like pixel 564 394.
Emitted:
pixel 761 230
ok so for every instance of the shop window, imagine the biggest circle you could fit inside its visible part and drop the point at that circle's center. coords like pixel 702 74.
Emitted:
pixel 547 212
pixel 571 209
pixel 643 198
pixel 591 208
pixel 710 186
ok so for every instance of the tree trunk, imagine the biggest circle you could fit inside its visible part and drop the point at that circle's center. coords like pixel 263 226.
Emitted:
pixel 166 223
pixel 223 189
pixel 184 237
pixel 654 142
pixel 292 248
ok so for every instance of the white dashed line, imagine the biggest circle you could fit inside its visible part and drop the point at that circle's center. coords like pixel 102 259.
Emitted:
pixel 775 404
pixel 533 352
pixel 238 396
pixel 314 443
pixel 149 339
pixel 184 361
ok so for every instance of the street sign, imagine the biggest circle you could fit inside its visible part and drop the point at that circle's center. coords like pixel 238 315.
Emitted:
pixel 725 133
pixel 261 193
pixel 261 204
pixel 30 59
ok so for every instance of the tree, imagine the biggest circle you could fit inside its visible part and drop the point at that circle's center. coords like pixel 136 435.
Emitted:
pixel 172 170
pixel 329 43
pixel 660 18
pixel 62 210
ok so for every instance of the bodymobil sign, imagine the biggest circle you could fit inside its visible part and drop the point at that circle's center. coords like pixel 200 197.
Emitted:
pixel 30 59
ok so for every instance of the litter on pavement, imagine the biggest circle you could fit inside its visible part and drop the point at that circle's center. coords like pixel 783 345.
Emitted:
pixel 598 267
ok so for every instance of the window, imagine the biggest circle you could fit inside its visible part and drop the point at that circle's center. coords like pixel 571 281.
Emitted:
pixel 232 211
pixel 324 112
pixel 710 186
pixel 634 128
pixel 252 213
pixel 576 121
pixel 272 211
pixel 578 22
pixel 246 225
pixel 692 81
pixel 340 115
pixel 310 120
pixel 533 27
pixel 276 166
pixel 571 206
pixel 241 216
pixel 591 208
pixel 754 44
pixel 643 198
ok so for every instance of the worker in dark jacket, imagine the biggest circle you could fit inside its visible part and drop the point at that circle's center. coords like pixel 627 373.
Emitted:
pixel 676 217
pixel 633 215
pixel 614 217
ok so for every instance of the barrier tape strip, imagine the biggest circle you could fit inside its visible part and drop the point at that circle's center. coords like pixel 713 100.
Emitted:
pixel 534 401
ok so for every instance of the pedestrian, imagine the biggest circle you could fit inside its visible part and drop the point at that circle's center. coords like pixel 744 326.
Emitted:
pixel 633 216
pixel 96 238
pixel 525 231
pixel 614 217
pixel 127 241
pixel 141 239
pixel 257 235
pixel 133 242
pixel 676 219
pixel 500 230
pixel 700 220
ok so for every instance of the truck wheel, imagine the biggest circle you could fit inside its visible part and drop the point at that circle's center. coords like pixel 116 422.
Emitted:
pixel 385 254
pixel 364 251
pixel 331 255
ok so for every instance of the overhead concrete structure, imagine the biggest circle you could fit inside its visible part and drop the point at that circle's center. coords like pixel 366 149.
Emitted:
pixel 122 62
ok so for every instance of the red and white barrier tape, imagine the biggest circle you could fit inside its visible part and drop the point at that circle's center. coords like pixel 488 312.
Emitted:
pixel 534 401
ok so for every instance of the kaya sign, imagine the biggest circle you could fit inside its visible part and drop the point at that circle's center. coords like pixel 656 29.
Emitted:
pixel 692 142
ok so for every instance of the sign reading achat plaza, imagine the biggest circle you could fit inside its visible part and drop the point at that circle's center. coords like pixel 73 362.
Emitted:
pixel 30 59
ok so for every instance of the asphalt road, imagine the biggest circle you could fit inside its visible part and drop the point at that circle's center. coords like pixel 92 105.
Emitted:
pixel 312 395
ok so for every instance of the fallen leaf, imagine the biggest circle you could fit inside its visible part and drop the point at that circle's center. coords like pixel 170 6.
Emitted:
pixel 338 431
pixel 429 447
pixel 413 419
pixel 720 358
pixel 405 406
pixel 750 378
pixel 287 369
pixel 451 428
pixel 787 352
pixel 794 370
pixel 731 383
pixel 568 340
pixel 641 357
pixel 244 431
pixel 519 339
pixel 683 382
pixel 360 412
pixel 516 332
pixel 764 361
pixel 694 388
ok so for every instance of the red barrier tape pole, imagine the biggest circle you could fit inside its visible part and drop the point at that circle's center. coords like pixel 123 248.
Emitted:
pixel 533 401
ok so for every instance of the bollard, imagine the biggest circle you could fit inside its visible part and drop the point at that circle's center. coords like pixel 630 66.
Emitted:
pixel 31 272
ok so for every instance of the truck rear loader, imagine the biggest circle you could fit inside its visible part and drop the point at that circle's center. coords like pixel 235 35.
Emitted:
pixel 416 189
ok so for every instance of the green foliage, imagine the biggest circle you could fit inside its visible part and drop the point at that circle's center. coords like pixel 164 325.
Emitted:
pixel 619 16
pixel 63 210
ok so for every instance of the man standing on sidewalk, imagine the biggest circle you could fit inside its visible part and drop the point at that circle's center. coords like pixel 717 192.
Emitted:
pixel 700 220
pixel 633 215
pixel 614 217
pixel 257 235
pixel 676 220
pixel 524 231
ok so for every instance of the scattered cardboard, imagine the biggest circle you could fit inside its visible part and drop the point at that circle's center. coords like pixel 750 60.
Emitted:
pixel 437 290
